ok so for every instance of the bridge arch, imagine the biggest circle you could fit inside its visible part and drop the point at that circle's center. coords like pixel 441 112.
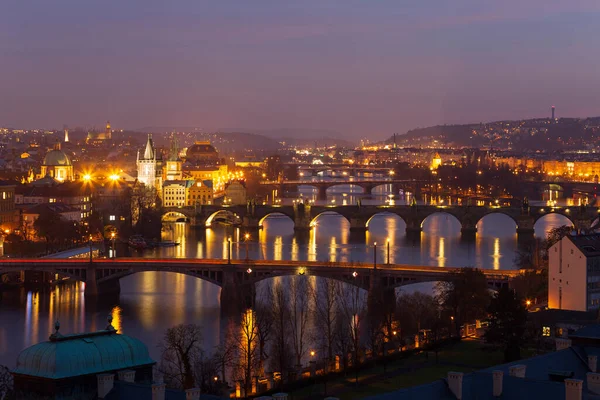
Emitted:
pixel 361 280
pixel 174 216
pixel 542 225
pixel 350 184
pixel 223 214
pixel 313 221
pixel 386 213
pixel 505 216
pixel 448 216
pixel 214 277
pixel 273 214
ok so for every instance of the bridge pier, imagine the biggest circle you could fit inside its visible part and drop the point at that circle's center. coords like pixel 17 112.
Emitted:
pixel 235 295
pixel 322 193
pixel 251 223
pixel 358 224
pixel 468 228
pixel 413 226
pixel 302 217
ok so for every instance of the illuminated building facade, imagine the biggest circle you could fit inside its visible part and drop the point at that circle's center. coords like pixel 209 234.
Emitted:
pixel 149 167
pixel 235 193
pixel 99 138
pixel 175 193
pixel 200 193
pixel 57 165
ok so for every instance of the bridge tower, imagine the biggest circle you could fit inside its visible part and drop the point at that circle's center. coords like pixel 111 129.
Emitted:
pixel 302 217
pixel 322 192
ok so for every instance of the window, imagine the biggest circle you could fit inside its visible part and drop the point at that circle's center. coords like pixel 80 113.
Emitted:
pixel 112 218
pixel 546 331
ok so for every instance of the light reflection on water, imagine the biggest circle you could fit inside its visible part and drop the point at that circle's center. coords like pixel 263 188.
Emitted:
pixel 151 302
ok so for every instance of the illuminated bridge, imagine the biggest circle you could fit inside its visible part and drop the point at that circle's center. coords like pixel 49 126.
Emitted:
pixel 304 215
pixel 237 277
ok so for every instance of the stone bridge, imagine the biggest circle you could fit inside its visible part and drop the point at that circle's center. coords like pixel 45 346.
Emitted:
pixel 237 277
pixel 366 185
pixel 304 215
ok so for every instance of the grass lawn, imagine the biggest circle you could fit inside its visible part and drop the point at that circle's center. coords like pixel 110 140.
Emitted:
pixel 465 356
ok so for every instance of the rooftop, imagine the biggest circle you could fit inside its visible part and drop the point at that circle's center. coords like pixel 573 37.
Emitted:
pixel 66 356
pixel 588 244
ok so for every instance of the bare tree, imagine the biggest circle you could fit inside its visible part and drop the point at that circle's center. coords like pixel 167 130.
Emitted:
pixel 352 307
pixel 279 312
pixel 6 382
pixel 264 325
pixel 247 348
pixel 415 311
pixel 181 352
pixel 299 311
pixel 325 301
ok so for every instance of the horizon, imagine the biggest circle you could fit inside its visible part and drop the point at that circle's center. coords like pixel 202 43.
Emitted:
pixel 362 70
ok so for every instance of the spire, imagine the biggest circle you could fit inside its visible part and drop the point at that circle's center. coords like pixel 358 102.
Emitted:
pixel 149 152
pixel 66 130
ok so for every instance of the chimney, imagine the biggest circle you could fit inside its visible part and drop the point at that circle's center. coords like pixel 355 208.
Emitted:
pixel 455 384
pixel 192 394
pixel 127 375
pixel 518 371
pixel 592 363
pixel 573 389
pixel 158 391
pixel 497 377
pixel 562 344
pixel 593 382
pixel 105 384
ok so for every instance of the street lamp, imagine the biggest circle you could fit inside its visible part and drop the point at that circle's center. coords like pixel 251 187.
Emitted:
pixel 388 251
pixel 246 238
pixel 528 303
pixel 228 250
pixel 374 255
pixel 112 237
pixel 90 242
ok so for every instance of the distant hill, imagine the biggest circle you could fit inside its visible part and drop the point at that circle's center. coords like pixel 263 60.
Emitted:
pixel 303 137
pixel 541 134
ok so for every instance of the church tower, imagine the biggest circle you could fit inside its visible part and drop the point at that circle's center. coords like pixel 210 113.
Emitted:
pixel 173 168
pixel 108 132
pixel 66 130
pixel 146 165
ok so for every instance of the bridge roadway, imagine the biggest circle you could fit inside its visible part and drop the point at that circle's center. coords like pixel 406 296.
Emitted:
pixel 237 277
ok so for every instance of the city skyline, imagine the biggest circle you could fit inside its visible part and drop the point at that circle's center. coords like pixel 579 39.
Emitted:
pixel 355 68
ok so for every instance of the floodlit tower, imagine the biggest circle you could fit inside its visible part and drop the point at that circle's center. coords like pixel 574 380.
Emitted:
pixel 553 109
pixel 66 130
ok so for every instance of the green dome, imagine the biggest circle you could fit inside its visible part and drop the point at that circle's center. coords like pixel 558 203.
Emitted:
pixel 56 157
pixel 84 354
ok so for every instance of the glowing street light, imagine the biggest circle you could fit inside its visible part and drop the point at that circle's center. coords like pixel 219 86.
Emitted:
pixel 87 177
pixel 354 274
pixel 312 353
pixel 528 303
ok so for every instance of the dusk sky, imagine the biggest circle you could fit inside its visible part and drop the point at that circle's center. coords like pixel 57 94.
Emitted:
pixel 362 68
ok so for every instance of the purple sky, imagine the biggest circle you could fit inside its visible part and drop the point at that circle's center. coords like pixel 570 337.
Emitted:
pixel 363 68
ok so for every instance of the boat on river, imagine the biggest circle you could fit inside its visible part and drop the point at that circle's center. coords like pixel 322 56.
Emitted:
pixel 137 242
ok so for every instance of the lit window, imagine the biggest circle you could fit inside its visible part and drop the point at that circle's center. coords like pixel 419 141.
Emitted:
pixel 112 218
pixel 546 331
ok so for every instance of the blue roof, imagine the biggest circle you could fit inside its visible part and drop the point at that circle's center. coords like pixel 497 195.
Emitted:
pixel 82 354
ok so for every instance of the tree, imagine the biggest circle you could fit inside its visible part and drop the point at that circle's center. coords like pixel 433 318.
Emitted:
pixel 465 296
pixel 47 226
pixel 264 326
pixel 554 235
pixel 532 284
pixel 508 317
pixel 280 315
pixel 325 298
pixel 299 311
pixel 247 345
pixel 181 353
pixel 416 311
pixel 6 382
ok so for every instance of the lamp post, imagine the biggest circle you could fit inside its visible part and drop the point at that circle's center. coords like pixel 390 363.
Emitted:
pixel 228 250
pixel 90 243
pixel 388 251
pixel 374 255
pixel 246 238
pixel 112 238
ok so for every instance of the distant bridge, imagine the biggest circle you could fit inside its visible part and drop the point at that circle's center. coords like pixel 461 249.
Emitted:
pixel 359 216
pixel 237 277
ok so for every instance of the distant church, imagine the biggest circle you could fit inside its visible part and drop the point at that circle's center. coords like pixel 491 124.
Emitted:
pixel 100 138
pixel 149 166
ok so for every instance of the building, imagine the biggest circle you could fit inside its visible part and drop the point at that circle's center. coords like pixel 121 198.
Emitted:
pixel 436 161
pixel 574 273
pixel 9 216
pixel 57 165
pixel 149 167
pixel 569 373
pixel 200 193
pixel 172 170
pixel 175 193
pixel 202 153
pixel 100 138
pixel 95 365
pixel 235 193
pixel 75 194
